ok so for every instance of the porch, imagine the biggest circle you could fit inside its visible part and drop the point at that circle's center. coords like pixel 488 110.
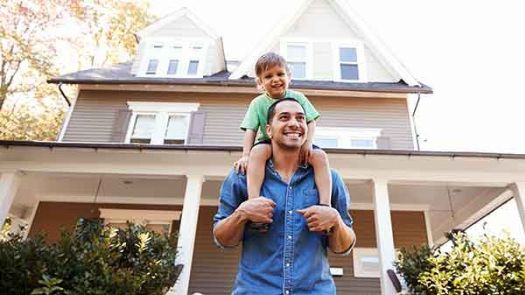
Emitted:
pixel 399 198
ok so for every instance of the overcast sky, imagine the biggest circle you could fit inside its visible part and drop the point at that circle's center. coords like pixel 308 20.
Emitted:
pixel 470 52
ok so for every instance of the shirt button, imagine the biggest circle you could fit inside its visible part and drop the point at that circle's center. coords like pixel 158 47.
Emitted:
pixel 289 237
pixel 288 265
pixel 290 212
pixel 287 292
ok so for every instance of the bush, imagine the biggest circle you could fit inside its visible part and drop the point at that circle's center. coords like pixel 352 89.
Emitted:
pixel 91 260
pixel 491 266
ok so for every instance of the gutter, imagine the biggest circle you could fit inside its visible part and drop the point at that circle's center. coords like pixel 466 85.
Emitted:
pixel 63 94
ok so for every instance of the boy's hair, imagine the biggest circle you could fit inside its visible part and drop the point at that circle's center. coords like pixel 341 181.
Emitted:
pixel 271 109
pixel 268 60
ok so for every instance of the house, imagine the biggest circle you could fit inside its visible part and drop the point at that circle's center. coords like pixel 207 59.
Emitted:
pixel 151 141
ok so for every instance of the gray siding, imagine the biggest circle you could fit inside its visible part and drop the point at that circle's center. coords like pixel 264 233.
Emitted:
pixel 94 116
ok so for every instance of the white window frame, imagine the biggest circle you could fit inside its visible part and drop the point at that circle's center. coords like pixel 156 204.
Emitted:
pixel 359 272
pixel 344 136
pixel 361 64
pixel 162 111
pixel 309 55
pixel 143 217
pixel 164 56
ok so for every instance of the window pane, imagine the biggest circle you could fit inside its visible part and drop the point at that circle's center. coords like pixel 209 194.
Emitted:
pixel 298 70
pixel 362 143
pixel 370 264
pixel 296 53
pixel 177 127
pixel 326 142
pixel 152 66
pixel 348 54
pixel 349 72
pixel 192 67
pixel 144 126
pixel 172 67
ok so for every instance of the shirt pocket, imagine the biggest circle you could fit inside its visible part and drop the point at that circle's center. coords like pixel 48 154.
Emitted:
pixel 310 197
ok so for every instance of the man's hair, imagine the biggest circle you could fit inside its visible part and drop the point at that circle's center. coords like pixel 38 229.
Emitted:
pixel 271 109
pixel 269 60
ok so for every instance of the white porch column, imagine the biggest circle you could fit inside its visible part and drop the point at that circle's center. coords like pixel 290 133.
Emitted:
pixel 518 188
pixel 384 235
pixel 188 230
pixel 8 186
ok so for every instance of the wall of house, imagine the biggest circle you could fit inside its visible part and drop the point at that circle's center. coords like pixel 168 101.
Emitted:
pixel 95 115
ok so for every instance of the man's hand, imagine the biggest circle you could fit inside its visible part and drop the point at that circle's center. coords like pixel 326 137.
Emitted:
pixel 304 154
pixel 320 218
pixel 257 210
pixel 241 165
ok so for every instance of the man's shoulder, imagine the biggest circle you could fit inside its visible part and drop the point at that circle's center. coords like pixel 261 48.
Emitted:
pixel 235 178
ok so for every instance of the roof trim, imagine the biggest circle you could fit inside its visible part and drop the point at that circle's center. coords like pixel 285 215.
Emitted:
pixel 353 20
pixel 12 143
pixel 172 17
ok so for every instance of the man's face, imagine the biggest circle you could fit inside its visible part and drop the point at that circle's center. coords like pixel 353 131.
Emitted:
pixel 274 81
pixel 288 128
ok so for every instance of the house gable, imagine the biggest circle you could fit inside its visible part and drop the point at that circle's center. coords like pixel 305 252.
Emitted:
pixel 178 45
pixel 324 26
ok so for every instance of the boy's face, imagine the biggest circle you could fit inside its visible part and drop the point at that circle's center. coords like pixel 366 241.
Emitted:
pixel 275 81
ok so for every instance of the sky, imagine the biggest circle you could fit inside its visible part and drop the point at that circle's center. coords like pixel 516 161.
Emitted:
pixel 470 52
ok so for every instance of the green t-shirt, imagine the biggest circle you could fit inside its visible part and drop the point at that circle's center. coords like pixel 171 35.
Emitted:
pixel 257 114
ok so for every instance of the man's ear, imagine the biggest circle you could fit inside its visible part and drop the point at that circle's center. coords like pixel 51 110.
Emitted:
pixel 269 130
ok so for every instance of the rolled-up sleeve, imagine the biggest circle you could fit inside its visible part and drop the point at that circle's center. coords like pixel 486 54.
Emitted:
pixel 341 202
pixel 230 197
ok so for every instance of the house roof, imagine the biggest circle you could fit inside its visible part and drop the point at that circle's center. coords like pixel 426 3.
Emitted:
pixel 386 57
pixel 121 74
pixel 133 146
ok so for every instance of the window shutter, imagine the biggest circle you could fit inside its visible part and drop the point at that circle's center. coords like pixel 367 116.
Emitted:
pixel 196 130
pixel 383 142
pixel 120 127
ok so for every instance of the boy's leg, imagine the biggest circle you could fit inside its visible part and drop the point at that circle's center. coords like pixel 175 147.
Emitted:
pixel 323 179
pixel 259 154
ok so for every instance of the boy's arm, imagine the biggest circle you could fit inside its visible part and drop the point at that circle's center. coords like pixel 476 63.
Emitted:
pixel 311 131
pixel 306 149
pixel 242 164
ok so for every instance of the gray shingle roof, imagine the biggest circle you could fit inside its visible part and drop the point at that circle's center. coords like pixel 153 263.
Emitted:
pixel 121 74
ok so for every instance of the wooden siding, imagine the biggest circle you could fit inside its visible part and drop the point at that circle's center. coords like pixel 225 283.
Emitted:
pixel 96 112
pixel 214 269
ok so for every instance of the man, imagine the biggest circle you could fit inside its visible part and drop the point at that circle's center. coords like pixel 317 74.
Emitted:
pixel 290 258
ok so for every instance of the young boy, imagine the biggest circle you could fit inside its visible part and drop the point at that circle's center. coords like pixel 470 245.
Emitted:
pixel 273 77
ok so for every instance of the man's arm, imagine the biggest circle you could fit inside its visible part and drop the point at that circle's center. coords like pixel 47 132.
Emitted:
pixel 228 232
pixel 342 240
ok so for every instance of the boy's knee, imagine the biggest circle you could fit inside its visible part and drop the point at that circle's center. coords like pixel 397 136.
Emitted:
pixel 319 156
pixel 259 151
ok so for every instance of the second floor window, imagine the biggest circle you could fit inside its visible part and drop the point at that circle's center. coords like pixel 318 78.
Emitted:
pixel 346 138
pixel 349 62
pixel 296 57
pixel 159 123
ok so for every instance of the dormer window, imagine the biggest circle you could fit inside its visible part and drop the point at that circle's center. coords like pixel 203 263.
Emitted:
pixel 349 65
pixel 182 59
pixel 298 57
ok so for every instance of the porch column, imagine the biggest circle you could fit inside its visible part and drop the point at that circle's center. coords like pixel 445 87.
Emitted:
pixel 384 235
pixel 188 230
pixel 8 186
pixel 518 189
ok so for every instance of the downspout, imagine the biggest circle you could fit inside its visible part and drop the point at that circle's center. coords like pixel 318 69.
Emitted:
pixel 414 120
pixel 63 94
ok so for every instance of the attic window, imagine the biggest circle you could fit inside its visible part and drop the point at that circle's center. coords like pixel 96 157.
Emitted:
pixel 296 56
pixel 350 62
pixel 181 58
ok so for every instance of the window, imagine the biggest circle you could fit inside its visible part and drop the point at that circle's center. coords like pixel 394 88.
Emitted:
pixel 366 263
pixel 298 55
pixel 159 123
pixel 347 138
pixel 184 58
pixel 156 220
pixel 349 65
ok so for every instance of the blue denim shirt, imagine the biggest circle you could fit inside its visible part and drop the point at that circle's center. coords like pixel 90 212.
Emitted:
pixel 288 259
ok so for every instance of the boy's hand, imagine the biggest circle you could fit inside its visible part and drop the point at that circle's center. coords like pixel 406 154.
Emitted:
pixel 304 154
pixel 241 165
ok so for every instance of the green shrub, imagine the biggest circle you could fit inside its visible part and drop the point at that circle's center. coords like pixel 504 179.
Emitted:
pixel 492 265
pixel 93 259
